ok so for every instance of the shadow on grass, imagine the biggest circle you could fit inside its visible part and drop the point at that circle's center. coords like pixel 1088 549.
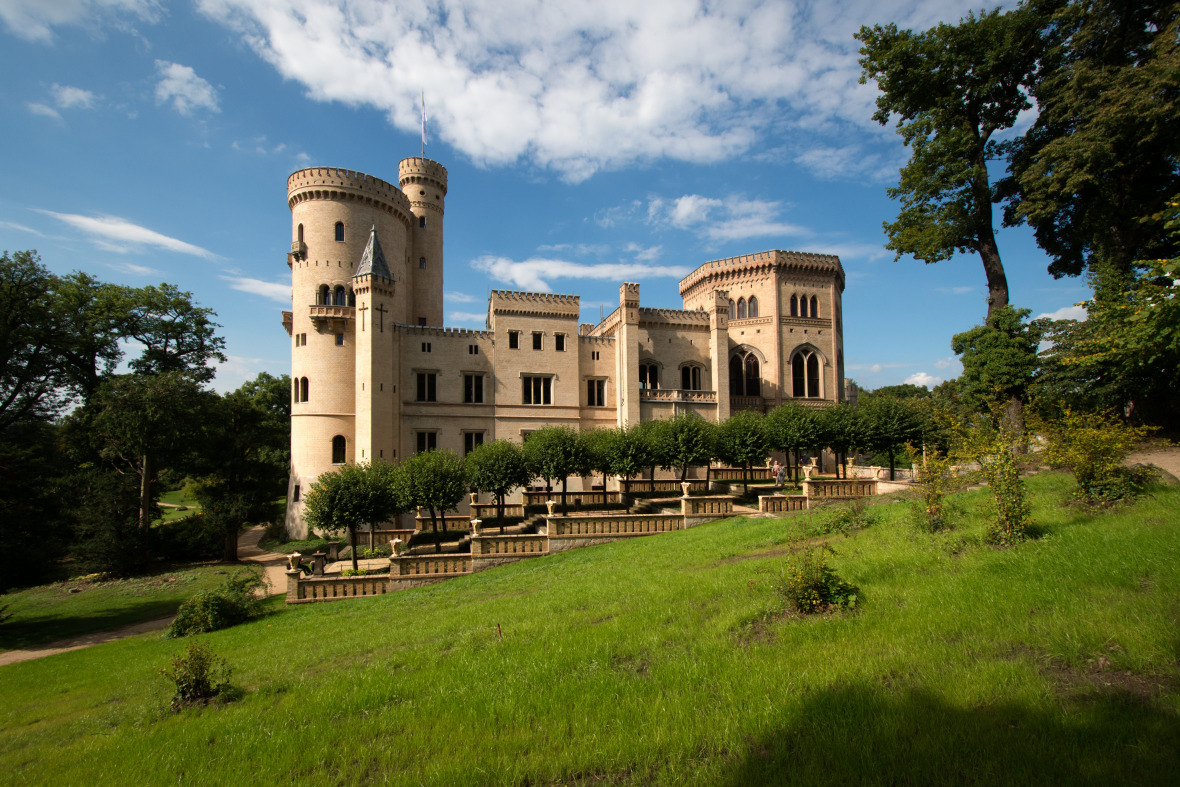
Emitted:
pixel 867 734
pixel 32 632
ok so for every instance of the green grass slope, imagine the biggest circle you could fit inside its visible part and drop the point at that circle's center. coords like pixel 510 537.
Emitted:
pixel 669 660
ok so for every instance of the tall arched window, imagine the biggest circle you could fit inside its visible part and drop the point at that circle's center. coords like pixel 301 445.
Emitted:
pixel 814 306
pixel 300 234
pixel 649 376
pixel 340 232
pixel 794 306
pixel 732 309
pixel 690 377
pixel 303 389
pixel 805 375
pixel 752 310
pixel 341 298
pixel 741 308
pixel 803 306
pixel 338 449
pixel 351 297
pixel 295 390
pixel 745 374
pixel 324 296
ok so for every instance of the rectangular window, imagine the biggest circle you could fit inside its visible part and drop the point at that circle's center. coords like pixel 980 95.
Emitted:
pixel 559 342
pixel 536 389
pixel 425 347
pixel 427 441
pixel 295 494
pixel 421 320
pixel 339 340
pixel 473 389
pixel 427 390
pixel 594 355
pixel 513 340
pixel 473 349
pixel 422 263
pixel 536 340
pixel 421 221
pixel 596 393
pixel 470 441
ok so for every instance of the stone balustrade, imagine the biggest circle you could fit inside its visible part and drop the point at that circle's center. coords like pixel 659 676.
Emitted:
pixel 532 498
pixel 735 473
pixel 616 525
pixel 698 510
pixel 670 485
pixel 418 566
pixel 495 546
pixel 381 537
pixel 301 590
pixel 486 511
pixel 837 489
pixel 780 504
pixel 451 523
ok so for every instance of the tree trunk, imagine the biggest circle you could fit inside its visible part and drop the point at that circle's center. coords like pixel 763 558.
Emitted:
pixel 564 481
pixel 500 511
pixel 352 543
pixel 989 252
pixel 892 472
pixel 434 526
pixel 145 494
pixel 230 553
pixel 1014 422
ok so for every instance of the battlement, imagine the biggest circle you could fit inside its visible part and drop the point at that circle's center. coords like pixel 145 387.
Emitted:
pixel 535 302
pixel 454 333
pixel 421 170
pixel 768 260
pixel 674 316
pixel 596 341
pixel 337 183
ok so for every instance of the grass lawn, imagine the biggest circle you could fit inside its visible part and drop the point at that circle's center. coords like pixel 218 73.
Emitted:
pixel 48 613
pixel 175 500
pixel 670 660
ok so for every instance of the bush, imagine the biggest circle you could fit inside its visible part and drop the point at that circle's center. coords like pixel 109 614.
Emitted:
pixel 1093 446
pixel 810 585
pixel 931 512
pixel 199 674
pixel 191 538
pixel 236 601
pixel 841 518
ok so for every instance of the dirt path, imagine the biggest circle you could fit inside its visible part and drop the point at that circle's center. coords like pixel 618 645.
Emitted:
pixel 77 643
pixel 274 569
pixel 1165 458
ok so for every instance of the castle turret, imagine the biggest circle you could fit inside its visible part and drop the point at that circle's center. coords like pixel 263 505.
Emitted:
pixel 425 185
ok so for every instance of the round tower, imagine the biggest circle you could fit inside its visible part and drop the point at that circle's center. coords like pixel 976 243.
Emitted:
pixel 332 213
pixel 424 183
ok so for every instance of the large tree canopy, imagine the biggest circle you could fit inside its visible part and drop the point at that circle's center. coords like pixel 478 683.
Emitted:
pixel 951 88
pixel 1104 151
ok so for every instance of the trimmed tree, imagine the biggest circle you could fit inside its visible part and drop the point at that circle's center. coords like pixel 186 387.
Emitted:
pixel 556 452
pixel 626 452
pixel 793 429
pixel 742 439
pixel 888 425
pixel 840 429
pixel 354 495
pixel 685 441
pixel 436 481
pixel 497 468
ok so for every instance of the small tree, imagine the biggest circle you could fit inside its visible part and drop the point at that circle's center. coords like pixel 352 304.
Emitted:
pixel 497 468
pixel 840 429
pixel 742 439
pixel 793 429
pixel 436 481
pixel 888 424
pixel 354 495
pixel 990 443
pixel 687 440
pixel 556 452
pixel 1093 446
pixel 626 452
pixel 596 444
pixel 999 363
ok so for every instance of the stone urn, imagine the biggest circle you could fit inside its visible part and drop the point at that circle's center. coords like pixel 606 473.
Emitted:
pixel 398 546
pixel 687 487
pixel 474 498
pixel 550 505
pixel 476 526
pixel 807 471
pixel 294 560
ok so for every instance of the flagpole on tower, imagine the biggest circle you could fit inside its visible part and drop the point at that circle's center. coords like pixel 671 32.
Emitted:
pixel 423 124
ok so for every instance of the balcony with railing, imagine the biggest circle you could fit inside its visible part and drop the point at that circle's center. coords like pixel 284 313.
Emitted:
pixel 676 395
pixel 336 316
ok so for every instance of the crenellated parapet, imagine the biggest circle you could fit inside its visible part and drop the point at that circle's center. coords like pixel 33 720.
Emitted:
pixel 540 303
pixel 422 172
pixel 596 341
pixel 344 185
pixel 694 319
pixel 439 332
pixel 719 274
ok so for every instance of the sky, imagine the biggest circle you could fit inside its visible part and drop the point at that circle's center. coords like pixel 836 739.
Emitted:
pixel 586 143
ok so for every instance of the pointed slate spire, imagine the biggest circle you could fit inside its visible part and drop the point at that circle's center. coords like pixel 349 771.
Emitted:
pixel 373 260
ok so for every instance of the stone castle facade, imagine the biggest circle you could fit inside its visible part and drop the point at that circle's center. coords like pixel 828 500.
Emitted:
pixel 376 377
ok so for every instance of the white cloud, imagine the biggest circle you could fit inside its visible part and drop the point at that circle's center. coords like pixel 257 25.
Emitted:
pixel 874 368
pixel 135 270
pixel 923 379
pixel 43 110
pixel 645 253
pixel 535 274
pixel 459 297
pixel 20 228
pixel 847 161
pixel 238 370
pixel 267 289
pixel 121 236
pixel 1075 312
pixel 479 318
pixel 187 91
pixel 67 97
pixel 34 20
pixel 582 85
pixel 732 218
pixel 957 290
pixel 946 363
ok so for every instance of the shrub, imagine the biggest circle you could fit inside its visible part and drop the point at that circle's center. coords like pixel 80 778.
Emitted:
pixel 199 674
pixel 190 538
pixel 842 518
pixel 810 585
pixel 235 601
pixel 933 479
pixel 1093 446
pixel 1013 512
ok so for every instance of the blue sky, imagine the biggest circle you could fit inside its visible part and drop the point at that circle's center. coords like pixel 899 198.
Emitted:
pixel 587 143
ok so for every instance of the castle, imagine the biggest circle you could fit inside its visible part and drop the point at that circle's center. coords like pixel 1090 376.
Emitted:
pixel 375 376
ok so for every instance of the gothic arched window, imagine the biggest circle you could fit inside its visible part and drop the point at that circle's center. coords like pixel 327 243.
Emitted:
pixel 325 296
pixel 338 450
pixel 814 307
pixel 805 375
pixel 752 309
pixel 794 306
pixel 303 389
pixel 690 377
pixel 649 376
pixel 341 298
pixel 745 374
pixel 340 232
pixel 741 308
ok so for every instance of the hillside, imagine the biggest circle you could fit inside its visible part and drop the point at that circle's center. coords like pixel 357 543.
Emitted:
pixel 670 659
